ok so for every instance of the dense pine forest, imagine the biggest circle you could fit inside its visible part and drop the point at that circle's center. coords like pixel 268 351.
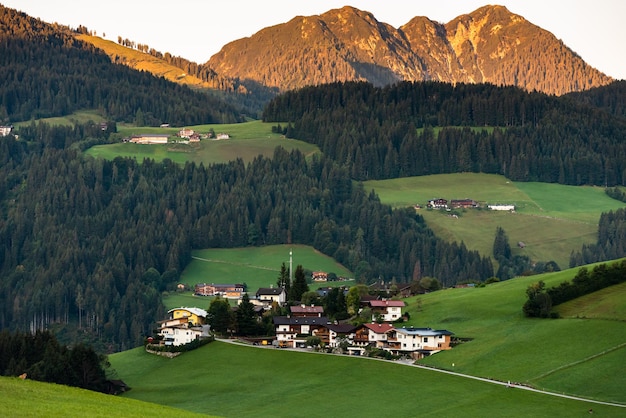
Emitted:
pixel 45 71
pixel 92 243
pixel 411 129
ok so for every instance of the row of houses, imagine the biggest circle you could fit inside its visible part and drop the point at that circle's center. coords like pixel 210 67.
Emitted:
pixel 185 325
pixel 293 332
pixel 441 203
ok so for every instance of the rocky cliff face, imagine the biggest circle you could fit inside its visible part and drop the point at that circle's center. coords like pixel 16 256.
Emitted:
pixel 490 44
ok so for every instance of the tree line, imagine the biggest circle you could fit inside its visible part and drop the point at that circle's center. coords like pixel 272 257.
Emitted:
pixel 422 128
pixel 541 299
pixel 39 356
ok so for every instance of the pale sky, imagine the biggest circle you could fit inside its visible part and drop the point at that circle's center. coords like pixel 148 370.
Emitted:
pixel 197 29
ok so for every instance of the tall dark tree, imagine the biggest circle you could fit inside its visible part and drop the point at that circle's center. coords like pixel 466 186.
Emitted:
pixel 501 246
pixel 220 315
pixel 299 286
pixel 283 278
pixel 247 324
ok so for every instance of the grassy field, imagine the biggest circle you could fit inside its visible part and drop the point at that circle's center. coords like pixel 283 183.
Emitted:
pixel 551 219
pixel 254 266
pixel 236 381
pixel 562 355
pixel 82 116
pixel 28 398
pixel 248 140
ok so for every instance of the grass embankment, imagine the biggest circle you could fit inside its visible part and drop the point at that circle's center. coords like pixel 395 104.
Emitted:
pixel 254 266
pixel 551 219
pixel 247 141
pixel 28 398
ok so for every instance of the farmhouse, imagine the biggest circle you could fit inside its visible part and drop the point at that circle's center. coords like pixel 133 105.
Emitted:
pixel 386 310
pixel 222 136
pixel 230 291
pixel 510 208
pixel 186 133
pixel 417 342
pixel 438 204
pixel 463 204
pixel 149 139
pixel 183 326
pixel 319 276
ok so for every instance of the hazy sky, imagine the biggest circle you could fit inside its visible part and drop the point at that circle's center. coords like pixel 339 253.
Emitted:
pixel 197 29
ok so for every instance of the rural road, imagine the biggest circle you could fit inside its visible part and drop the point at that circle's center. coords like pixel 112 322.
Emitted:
pixel 467 376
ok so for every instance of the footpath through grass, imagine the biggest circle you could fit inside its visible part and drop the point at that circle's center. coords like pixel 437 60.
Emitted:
pixel 235 381
pixel 561 355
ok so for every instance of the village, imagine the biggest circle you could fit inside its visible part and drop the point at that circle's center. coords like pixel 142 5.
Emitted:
pixel 307 325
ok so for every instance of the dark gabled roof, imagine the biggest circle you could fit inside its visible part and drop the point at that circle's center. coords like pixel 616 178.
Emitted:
pixel 341 328
pixel 300 320
pixel 269 291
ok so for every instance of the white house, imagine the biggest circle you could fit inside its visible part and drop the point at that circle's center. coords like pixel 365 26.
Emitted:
pixel 388 310
pixel 179 335
pixel 150 139
pixel 5 130
pixel 265 296
pixel 418 342
pixel 510 208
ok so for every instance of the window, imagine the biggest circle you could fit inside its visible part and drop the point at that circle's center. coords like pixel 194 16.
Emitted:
pixel 425 339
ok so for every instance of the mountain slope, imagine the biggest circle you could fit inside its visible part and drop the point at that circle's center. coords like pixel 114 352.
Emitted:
pixel 490 44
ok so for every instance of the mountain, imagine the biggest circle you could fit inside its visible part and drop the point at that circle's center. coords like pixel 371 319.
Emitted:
pixel 489 45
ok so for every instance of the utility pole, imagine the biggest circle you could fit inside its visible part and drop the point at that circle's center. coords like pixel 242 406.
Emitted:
pixel 290 267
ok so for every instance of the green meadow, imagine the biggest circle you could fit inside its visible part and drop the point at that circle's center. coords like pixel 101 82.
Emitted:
pixel 551 219
pixel 255 266
pixel 561 355
pixel 571 356
pixel 81 116
pixel 247 141
pixel 28 398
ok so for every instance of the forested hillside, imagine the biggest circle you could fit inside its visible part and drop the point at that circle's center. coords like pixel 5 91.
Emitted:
pixel 388 132
pixel 45 71
pixel 89 244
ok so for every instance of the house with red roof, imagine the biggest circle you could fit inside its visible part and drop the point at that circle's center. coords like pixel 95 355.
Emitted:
pixel 386 310
pixel 304 310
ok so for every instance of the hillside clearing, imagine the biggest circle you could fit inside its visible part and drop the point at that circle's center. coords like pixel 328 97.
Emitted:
pixel 247 141
pixel 551 220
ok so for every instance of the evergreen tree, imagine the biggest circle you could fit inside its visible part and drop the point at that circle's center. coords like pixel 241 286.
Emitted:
pixel 247 324
pixel 220 315
pixel 501 247
pixel 299 286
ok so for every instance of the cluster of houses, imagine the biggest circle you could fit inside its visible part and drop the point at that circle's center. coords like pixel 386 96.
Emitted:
pixel 185 325
pixel 444 204
pixel 185 135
